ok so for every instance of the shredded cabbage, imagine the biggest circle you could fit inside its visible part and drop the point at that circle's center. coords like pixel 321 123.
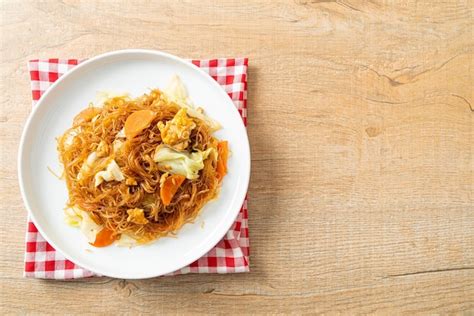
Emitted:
pixel 126 241
pixel 182 163
pixel 91 159
pixel 111 172
pixel 88 227
pixel 72 217
pixel 68 141
pixel 121 133
pixel 76 217
pixel 117 145
pixel 176 92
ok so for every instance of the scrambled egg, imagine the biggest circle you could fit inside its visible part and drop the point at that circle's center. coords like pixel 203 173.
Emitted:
pixel 102 149
pixel 131 182
pixel 163 178
pixel 176 132
pixel 137 216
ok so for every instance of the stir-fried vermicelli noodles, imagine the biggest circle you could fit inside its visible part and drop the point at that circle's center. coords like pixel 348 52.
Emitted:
pixel 138 169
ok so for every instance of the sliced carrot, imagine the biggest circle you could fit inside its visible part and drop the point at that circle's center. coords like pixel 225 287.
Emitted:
pixel 223 154
pixel 86 115
pixel 169 187
pixel 104 238
pixel 137 122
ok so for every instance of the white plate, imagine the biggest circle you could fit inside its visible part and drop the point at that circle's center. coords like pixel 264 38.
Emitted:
pixel 45 196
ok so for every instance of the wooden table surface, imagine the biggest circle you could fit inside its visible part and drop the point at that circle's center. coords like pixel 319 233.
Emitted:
pixel 361 128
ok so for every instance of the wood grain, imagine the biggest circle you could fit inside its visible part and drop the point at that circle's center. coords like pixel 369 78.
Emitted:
pixel 361 127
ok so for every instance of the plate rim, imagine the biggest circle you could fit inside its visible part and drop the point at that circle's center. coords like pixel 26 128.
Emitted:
pixel 22 162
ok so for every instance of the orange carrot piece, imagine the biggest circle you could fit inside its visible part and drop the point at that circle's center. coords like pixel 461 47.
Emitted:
pixel 137 122
pixel 169 187
pixel 86 115
pixel 223 154
pixel 104 238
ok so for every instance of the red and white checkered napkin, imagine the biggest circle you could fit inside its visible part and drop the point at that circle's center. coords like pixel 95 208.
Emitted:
pixel 230 255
